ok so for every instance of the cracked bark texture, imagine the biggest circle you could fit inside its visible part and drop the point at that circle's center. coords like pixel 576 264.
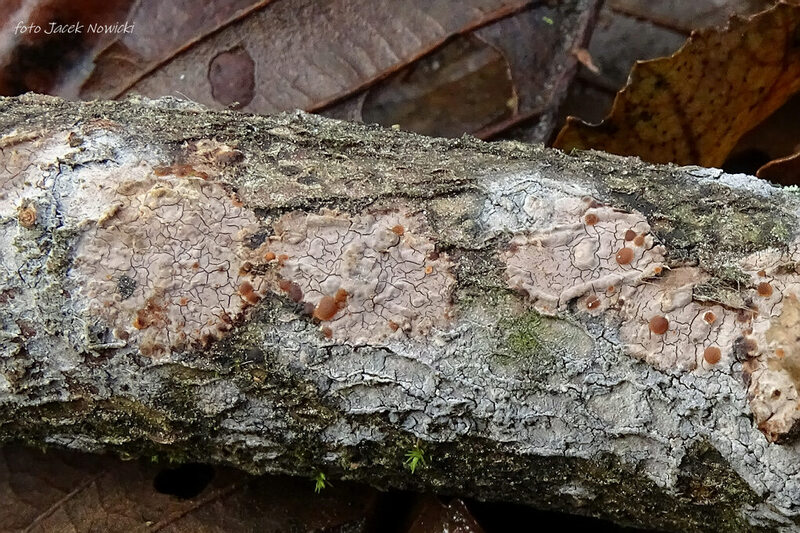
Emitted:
pixel 292 293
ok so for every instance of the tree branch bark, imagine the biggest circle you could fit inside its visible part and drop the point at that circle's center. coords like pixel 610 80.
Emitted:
pixel 291 293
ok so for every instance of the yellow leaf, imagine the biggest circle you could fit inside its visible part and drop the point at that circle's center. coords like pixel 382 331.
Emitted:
pixel 692 107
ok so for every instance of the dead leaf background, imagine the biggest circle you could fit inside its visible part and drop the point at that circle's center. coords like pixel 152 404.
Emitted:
pixel 632 30
pixel 440 67
pixel 492 68
pixel 512 71
pixel 162 30
pixel 60 491
pixel 68 491
pixel 689 109
pixel 37 61
pixel 313 52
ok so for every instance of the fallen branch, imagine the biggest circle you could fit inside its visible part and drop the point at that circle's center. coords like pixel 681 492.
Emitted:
pixel 302 295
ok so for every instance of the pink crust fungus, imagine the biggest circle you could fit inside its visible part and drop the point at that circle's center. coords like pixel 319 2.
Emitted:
pixel 367 276
pixel 166 263
pixel 554 266
pixel 292 289
pixel 612 253
pixel 661 323
pixel 659 320
pixel 247 293
pixel 772 367
pixel 158 256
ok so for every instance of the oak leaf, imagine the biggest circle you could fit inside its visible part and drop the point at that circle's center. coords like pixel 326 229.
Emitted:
pixel 692 107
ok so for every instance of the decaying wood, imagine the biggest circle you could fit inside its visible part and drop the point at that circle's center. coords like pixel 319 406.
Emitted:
pixel 290 293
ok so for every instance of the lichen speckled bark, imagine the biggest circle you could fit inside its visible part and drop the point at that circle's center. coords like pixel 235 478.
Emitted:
pixel 290 293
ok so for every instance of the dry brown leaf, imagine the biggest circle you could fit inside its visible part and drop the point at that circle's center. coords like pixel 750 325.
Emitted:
pixel 540 60
pixel 514 70
pixel 784 171
pixel 683 16
pixel 692 107
pixel 35 56
pixel 162 30
pixel 68 491
pixel 462 87
pixel 633 30
pixel 433 516
pixel 440 67
pixel 583 55
pixel 308 53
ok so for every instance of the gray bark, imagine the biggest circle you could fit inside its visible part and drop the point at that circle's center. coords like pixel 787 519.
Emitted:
pixel 297 294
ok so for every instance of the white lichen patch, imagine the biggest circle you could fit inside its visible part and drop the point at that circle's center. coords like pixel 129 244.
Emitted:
pixel 364 277
pixel 163 262
pixel 598 253
pixel 774 343
pixel 516 202
pixel 661 324
pixel 22 156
